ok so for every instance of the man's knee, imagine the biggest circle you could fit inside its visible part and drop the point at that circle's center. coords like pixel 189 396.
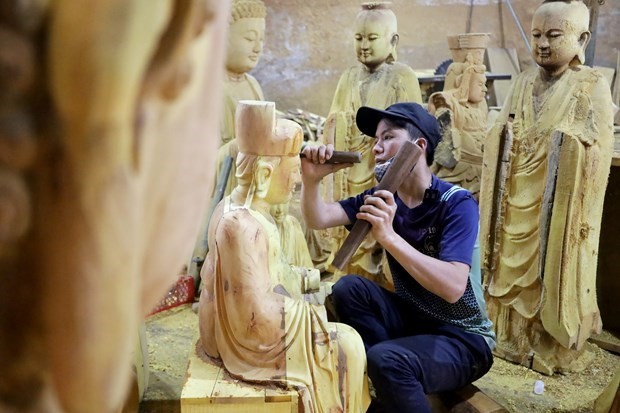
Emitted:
pixel 346 287
pixel 387 362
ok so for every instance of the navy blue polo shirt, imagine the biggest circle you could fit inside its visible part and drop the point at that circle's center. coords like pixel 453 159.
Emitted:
pixel 444 226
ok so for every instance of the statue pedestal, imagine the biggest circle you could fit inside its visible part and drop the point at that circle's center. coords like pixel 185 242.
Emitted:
pixel 209 388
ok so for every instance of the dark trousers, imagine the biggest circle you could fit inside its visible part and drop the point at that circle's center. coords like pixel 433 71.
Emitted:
pixel 407 358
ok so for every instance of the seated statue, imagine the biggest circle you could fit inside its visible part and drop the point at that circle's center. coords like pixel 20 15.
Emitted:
pixel 377 81
pixel 546 164
pixel 258 313
pixel 462 116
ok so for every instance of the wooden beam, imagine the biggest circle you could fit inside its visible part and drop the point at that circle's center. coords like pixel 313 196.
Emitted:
pixel 469 399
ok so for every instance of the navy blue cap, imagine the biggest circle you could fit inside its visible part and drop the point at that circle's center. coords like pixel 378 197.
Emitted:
pixel 368 118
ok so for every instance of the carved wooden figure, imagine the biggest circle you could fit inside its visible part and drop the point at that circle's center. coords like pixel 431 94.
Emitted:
pixel 257 312
pixel 543 187
pixel 377 81
pixel 461 110
pixel 104 109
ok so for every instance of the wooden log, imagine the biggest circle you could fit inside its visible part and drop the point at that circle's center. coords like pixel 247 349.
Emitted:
pixel 403 164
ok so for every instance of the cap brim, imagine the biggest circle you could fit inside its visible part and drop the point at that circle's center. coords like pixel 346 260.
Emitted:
pixel 367 119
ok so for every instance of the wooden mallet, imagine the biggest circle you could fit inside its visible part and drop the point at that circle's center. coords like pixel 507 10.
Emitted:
pixel 403 164
pixel 342 157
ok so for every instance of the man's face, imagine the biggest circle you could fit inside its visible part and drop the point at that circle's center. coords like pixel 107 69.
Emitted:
pixel 245 44
pixel 372 40
pixel 389 139
pixel 284 178
pixel 555 36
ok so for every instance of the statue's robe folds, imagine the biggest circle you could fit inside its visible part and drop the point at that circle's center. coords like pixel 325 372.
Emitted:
pixel 540 248
pixel 458 157
pixel 255 316
pixel 392 83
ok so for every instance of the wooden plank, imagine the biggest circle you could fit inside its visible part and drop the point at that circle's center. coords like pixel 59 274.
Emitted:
pixel 615 160
pixel 280 395
pixel 616 85
pixel 209 388
pixel 616 91
pixel 238 408
pixel 501 60
pixel 608 343
pixel 230 391
pixel 470 399
pixel 201 379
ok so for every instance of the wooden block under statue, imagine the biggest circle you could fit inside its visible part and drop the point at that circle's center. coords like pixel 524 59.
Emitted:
pixel 209 388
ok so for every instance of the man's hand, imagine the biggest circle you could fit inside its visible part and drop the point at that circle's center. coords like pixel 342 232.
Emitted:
pixel 313 166
pixel 379 210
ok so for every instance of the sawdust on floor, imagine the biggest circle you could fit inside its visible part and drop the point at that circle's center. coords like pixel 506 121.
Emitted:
pixel 171 335
pixel 513 386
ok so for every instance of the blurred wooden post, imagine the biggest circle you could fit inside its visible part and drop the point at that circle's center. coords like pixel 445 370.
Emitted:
pixel 593 5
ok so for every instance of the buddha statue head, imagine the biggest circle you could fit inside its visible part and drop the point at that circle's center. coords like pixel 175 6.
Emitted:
pixel 560 34
pixel 246 34
pixel 268 163
pixel 376 35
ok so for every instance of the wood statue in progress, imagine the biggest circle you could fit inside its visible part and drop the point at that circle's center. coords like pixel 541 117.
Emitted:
pixel 377 81
pixel 259 314
pixel 461 110
pixel 102 117
pixel 546 164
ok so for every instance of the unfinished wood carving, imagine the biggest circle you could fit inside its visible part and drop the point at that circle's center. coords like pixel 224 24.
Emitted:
pixel 543 187
pixel 105 105
pixel 377 81
pixel 461 110
pixel 257 312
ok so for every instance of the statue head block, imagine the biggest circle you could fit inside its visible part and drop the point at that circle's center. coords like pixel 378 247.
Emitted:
pixel 268 158
pixel 466 49
pixel 246 35
pixel 471 84
pixel 560 34
pixel 376 35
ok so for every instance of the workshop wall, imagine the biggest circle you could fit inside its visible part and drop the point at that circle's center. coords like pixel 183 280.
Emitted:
pixel 310 43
